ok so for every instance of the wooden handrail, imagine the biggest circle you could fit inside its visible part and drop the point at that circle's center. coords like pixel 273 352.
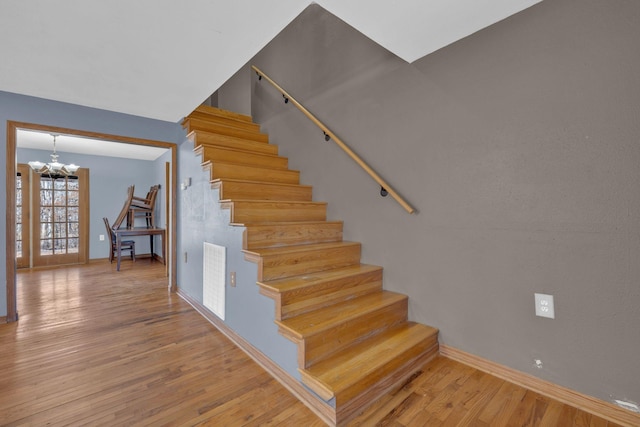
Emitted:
pixel 383 184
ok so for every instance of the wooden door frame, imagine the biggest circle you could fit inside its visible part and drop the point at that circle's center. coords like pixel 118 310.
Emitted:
pixel 11 148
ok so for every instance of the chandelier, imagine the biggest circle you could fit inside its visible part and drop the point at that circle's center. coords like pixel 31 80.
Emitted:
pixel 54 169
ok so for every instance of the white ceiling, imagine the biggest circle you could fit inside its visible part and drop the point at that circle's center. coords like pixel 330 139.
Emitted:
pixel 162 58
pixel 92 147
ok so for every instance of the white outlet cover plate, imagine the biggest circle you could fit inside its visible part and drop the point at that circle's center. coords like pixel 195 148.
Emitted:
pixel 544 306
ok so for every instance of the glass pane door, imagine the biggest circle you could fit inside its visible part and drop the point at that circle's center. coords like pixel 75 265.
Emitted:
pixel 61 218
pixel 22 217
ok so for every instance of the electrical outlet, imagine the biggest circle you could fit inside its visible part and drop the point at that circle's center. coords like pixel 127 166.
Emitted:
pixel 233 279
pixel 101 237
pixel 544 306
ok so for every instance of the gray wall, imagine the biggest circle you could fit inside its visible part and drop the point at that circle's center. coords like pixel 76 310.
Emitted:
pixel 109 178
pixel 40 111
pixel 519 146
pixel 235 94
pixel 201 219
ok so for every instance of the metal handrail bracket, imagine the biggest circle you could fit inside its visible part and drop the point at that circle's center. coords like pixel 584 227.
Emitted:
pixel 385 188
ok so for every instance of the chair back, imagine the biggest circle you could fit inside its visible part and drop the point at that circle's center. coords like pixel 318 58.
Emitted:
pixel 125 208
pixel 148 202
pixel 151 196
pixel 110 232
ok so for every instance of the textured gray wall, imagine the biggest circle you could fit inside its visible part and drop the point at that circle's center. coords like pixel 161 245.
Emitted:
pixel 519 145
pixel 201 219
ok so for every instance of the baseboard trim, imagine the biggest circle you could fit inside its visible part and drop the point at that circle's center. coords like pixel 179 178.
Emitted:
pixel 598 407
pixel 322 409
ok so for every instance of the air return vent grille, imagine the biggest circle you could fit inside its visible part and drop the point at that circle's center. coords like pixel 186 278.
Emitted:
pixel 213 278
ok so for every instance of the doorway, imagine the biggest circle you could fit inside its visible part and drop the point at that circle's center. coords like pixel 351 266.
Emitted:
pixel 11 200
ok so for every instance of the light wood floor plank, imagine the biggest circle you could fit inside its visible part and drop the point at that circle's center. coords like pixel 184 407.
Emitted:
pixel 99 347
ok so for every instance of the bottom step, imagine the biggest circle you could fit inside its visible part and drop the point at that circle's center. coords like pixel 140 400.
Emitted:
pixel 359 369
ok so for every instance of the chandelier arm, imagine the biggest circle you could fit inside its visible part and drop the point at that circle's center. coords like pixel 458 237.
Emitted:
pixel 55 168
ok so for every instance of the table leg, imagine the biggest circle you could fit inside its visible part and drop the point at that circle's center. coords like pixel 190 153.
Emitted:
pixel 118 244
pixel 164 257
pixel 151 245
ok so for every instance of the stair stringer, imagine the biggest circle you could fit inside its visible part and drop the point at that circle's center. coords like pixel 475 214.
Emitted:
pixel 339 306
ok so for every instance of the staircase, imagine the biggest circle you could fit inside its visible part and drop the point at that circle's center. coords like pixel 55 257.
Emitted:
pixel 353 338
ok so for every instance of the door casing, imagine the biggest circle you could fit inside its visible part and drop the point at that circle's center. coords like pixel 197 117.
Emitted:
pixel 10 179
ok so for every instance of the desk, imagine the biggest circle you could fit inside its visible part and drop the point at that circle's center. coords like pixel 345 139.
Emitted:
pixel 139 231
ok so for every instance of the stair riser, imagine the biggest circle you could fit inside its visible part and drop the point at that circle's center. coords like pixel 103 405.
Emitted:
pixel 275 211
pixel 230 190
pixel 269 236
pixel 398 367
pixel 316 348
pixel 214 154
pixel 226 121
pixel 348 410
pixel 204 138
pixel 252 173
pixel 219 112
pixel 294 303
pixel 203 125
pixel 293 264
pixel 363 392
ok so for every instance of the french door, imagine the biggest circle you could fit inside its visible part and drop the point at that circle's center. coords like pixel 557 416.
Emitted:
pixel 59 223
pixel 23 228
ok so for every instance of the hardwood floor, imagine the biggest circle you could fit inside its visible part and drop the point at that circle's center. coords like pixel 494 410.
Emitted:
pixel 448 393
pixel 98 347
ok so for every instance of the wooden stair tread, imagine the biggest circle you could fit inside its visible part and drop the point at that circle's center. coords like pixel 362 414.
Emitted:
pixel 275 210
pixel 216 140
pixel 222 116
pixel 270 202
pixel 215 111
pixel 316 321
pixel 220 120
pixel 285 223
pixel 300 294
pixel 203 147
pixel 224 170
pixel 246 181
pixel 366 360
pixel 230 155
pixel 268 234
pixel 236 164
pixel 312 279
pixel 295 260
pixel 200 122
pixel 252 133
pixel 265 252
pixel 232 189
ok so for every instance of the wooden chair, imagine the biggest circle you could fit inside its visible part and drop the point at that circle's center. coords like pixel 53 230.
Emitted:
pixel 124 213
pixel 125 245
pixel 144 207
